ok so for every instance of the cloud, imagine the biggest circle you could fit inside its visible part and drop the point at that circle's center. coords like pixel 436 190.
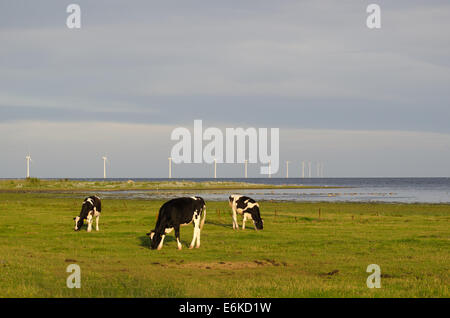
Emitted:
pixel 75 149
pixel 142 150
pixel 289 65
pixel 306 50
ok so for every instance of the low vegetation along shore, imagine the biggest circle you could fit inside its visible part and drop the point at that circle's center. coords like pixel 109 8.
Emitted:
pixel 300 252
pixel 34 184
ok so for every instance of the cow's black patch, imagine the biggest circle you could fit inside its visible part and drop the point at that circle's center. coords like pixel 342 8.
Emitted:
pixel 174 213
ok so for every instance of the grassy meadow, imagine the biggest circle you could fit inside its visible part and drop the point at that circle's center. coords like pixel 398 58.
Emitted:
pixel 298 254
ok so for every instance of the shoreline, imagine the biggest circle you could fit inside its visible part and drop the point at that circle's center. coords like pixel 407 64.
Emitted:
pixel 66 185
pixel 73 194
pixel 214 190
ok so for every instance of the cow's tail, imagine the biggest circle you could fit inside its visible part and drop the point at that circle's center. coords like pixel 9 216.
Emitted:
pixel 202 222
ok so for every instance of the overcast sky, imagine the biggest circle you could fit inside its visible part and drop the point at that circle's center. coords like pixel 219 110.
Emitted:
pixel 366 103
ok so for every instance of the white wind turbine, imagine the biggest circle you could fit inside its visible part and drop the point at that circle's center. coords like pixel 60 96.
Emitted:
pixel 270 169
pixel 287 169
pixel 215 168
pixel 28 158
pixel 309 169
pixel 170 167
pixel 245 167
pixel 104 166
pixel 303 169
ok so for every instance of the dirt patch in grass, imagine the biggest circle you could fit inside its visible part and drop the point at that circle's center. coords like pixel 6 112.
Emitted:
pixel 230 265
pixel 332 273
pixel 69 260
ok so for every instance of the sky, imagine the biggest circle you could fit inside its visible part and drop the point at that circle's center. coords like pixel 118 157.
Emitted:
pixel 364 102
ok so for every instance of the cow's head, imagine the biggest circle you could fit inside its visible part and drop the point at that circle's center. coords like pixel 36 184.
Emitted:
pixel 78 223
pixel 256 216
pixel 155 239
pixel 88 205
pixel 231 200
pixel 259 224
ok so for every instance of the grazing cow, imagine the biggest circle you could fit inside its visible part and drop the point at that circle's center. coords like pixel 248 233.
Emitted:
pixel 248 208
pixel 92 206
pixel 173 214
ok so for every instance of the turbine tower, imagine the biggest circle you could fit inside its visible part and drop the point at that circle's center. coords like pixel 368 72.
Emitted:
pixel 309 169
pixel 318 169
pixel 287 169
pixel 245 167
pixel 303 169
pixel 170 167
pixel 270 169
pixel 28 158
pixel 215 168
pixel 104 166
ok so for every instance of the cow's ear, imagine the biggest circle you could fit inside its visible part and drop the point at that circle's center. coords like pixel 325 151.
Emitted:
pixel 74 219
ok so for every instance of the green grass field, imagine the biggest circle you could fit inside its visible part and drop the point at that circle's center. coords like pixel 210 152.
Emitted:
pixel 298 254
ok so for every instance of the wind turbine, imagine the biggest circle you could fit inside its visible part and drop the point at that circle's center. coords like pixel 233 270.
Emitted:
pixel 318 169
pixel 303 169
pixel 215 168
pixel 28 158
pixel 170 167
pixel 270 169
pixel 245 167
pixel 287 169
pixel 309 169
pixel 104 166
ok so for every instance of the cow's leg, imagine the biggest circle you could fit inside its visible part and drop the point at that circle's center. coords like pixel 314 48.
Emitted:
pixel 235 223
pixel 89 220
pixel 77 218
pixel 96 222
pixel 161 243
pixel 196 236
pixel 244 219
pixel 197 228
pixel 177 235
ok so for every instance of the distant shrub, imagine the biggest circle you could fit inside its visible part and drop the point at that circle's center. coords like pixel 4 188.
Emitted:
pixel 33 181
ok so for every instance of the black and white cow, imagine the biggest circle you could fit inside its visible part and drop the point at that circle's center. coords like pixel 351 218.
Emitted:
pixel 92 206
pixel 248 208
pixel 173 214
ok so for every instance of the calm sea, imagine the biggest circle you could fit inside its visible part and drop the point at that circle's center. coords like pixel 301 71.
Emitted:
pixel 406 190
